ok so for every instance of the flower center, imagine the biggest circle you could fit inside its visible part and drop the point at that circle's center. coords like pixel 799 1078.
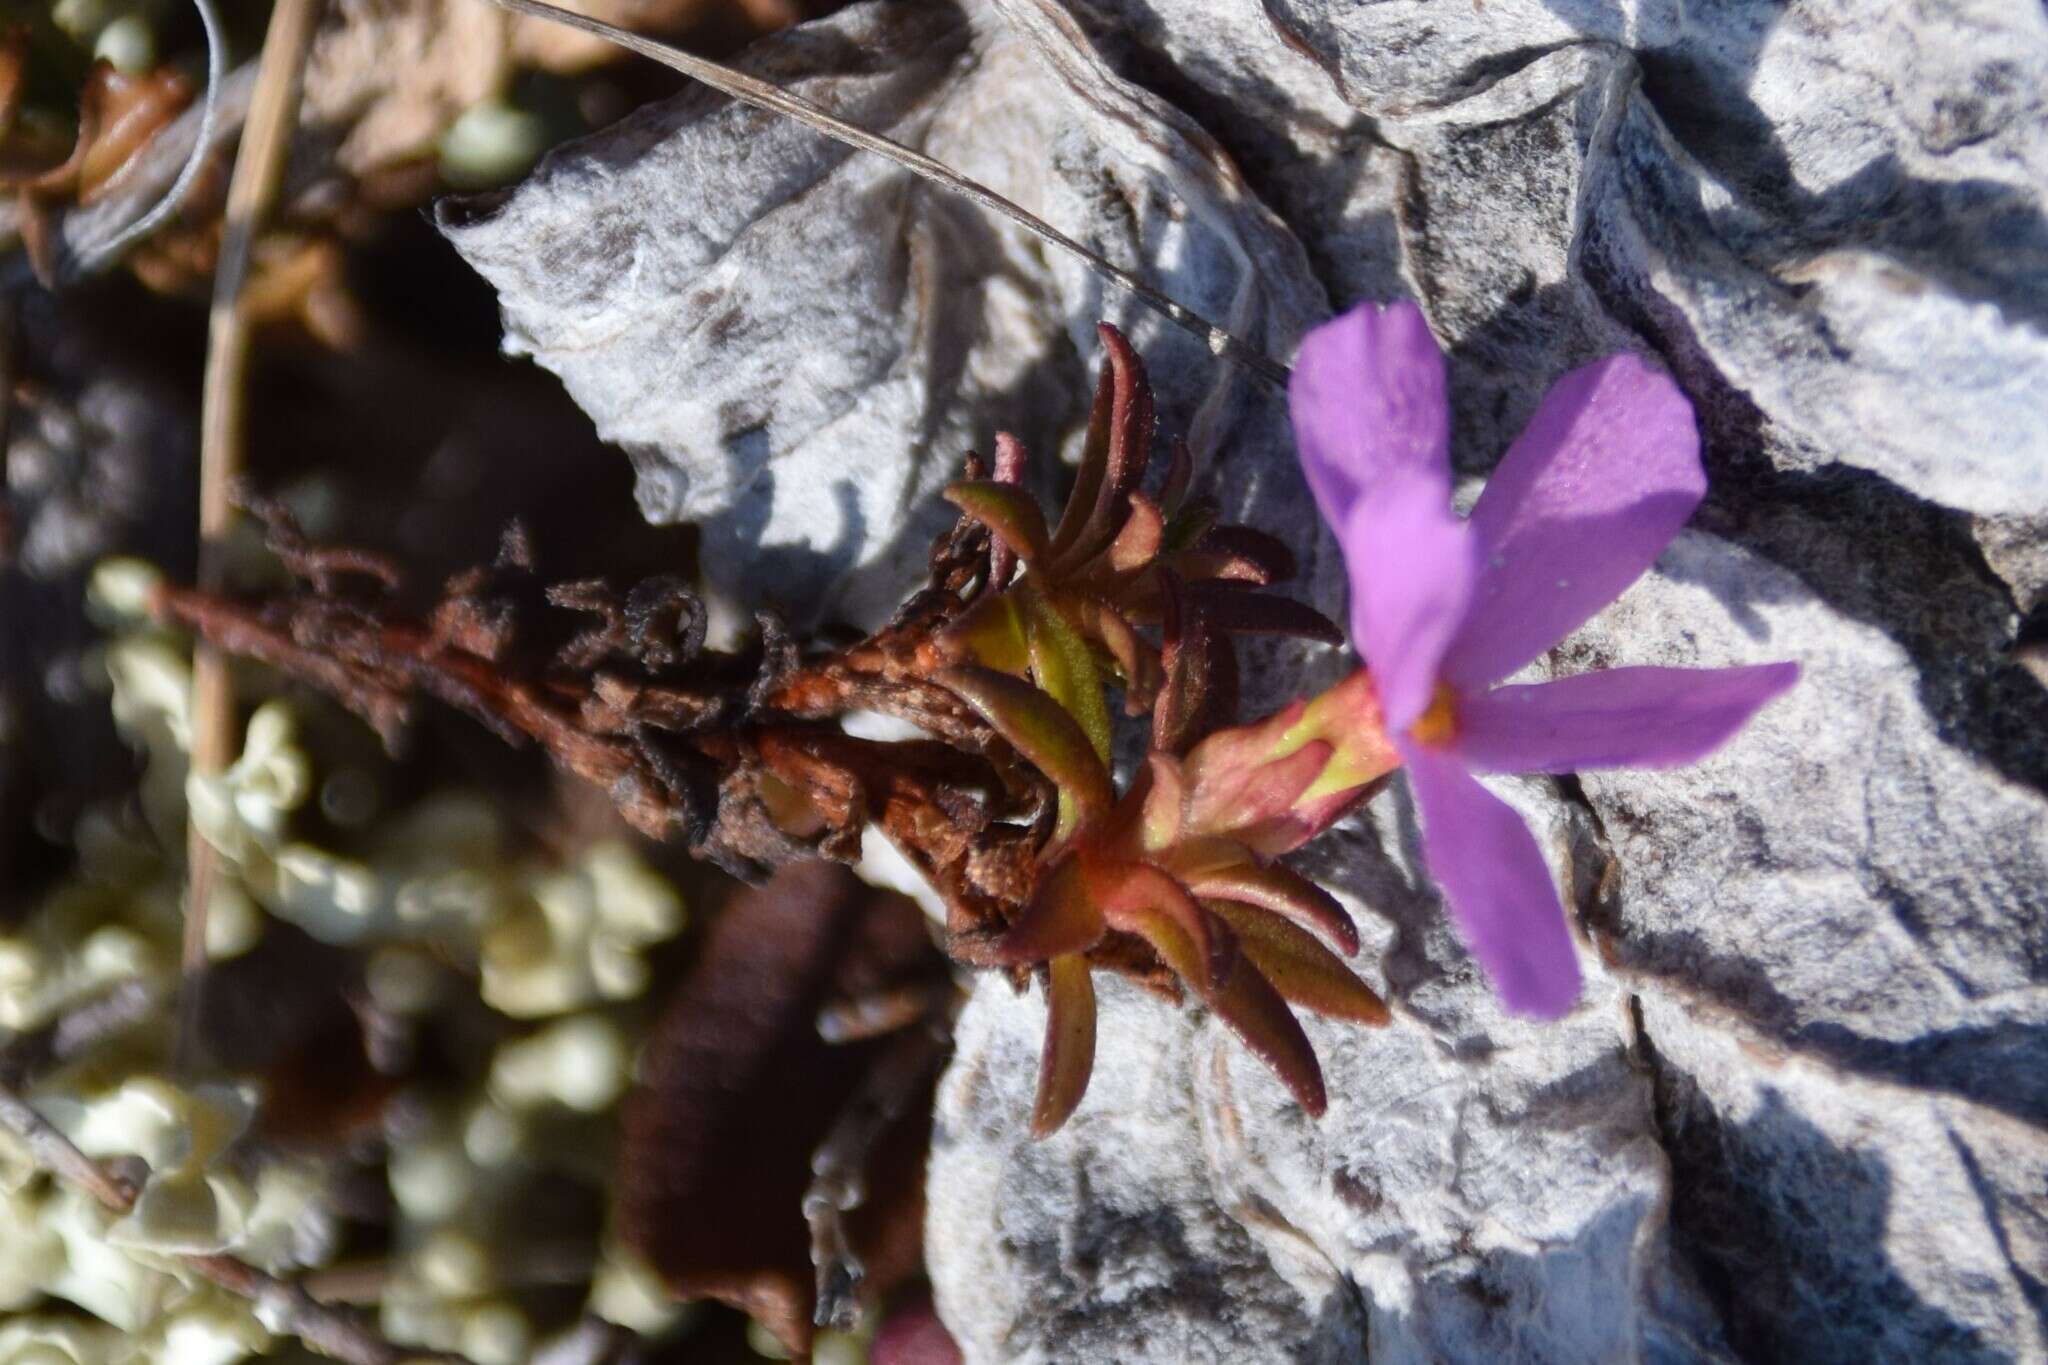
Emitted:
pixel 1439 724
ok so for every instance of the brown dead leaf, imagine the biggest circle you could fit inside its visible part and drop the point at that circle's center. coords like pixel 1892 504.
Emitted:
pixel 396 73
pixel 738 1090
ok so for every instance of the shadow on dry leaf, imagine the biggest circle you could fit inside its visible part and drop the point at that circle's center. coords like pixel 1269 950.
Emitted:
pixel 738 1089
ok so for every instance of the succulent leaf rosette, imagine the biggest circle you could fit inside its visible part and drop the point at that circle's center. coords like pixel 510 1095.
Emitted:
pixel 1048 863
pixel 1443 609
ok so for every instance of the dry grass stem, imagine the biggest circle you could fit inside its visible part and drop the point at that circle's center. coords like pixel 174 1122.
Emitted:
pixel 259 168
pixel 762 95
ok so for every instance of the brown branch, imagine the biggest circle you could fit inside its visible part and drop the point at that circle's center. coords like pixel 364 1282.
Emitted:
pixel 288 1306
pixel 59 1155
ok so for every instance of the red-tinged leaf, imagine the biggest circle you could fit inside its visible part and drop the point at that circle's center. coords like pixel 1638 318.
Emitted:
pixel 1349 717
pixel 1011 515
pixel 1137 544
pixel 1129 450
pixel 1011 457
pixel 738 1090
pixel 1064 666
pixel 1310 816
pixel 1207 566
pixel 1301 969
pixel 1254 783
pixel 1259 1016
pixel 1179 473
pixel 1137 894
pixel 1248 1003
pixel 1197 856
pixel 1040 729
pixel 1088 474
pixel 1069 1056
pixel 1200 688
pixel 1237 788
pixel 1282 891
pixel 990 633
pixel 1163 801
pixel 1240 611
pixel 1062 918
pixel 1241 553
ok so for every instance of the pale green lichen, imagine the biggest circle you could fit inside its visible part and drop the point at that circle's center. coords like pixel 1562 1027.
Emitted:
pixel 444 913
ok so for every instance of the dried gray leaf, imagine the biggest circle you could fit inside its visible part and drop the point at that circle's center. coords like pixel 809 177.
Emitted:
pixel 797 345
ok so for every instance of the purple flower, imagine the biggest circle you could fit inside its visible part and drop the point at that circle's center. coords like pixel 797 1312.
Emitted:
pixel 1442 609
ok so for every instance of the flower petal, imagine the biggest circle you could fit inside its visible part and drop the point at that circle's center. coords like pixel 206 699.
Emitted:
pixel 1367 397
pixel 1496 884
pixel 1586 499
pixel 1412 566
pixel 1617 718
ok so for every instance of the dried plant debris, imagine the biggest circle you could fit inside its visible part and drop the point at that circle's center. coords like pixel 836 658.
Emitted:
pixel 740 1087
pixel 401 98
pixel 1005 662
pixel 440 1025
pixel 840 315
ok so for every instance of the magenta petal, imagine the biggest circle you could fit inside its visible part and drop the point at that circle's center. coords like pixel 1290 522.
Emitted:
pixel 1412 564
pixel 1367 397
pixel 1586 499
pixel 1496 884
pixel 1617 718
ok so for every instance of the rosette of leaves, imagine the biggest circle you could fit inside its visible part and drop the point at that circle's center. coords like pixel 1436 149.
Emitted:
pixel 1069 620
pixel 1182 869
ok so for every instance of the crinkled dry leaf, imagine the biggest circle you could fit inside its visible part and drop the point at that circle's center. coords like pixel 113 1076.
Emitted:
pixel 738 1090
pixel 832 314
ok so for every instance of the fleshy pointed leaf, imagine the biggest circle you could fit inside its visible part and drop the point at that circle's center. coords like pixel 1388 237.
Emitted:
pixel 1064 666
pixel 990 633
pixel 1254 1010
pixel 1241 554
pixel 1193 857
pixel 1301 969
pixel 1309 816
pixel 1140 893
pixel 1129 449
pixel 1094 459
pixel 1259 1016
pixel 1062 918
pixel 1135 659
pixel 1137 544
pixel 1200 688
pixel 1240 611
pixel 1069 1056
pixel 1041 730
pixel 1011 515
pixel 1281 891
